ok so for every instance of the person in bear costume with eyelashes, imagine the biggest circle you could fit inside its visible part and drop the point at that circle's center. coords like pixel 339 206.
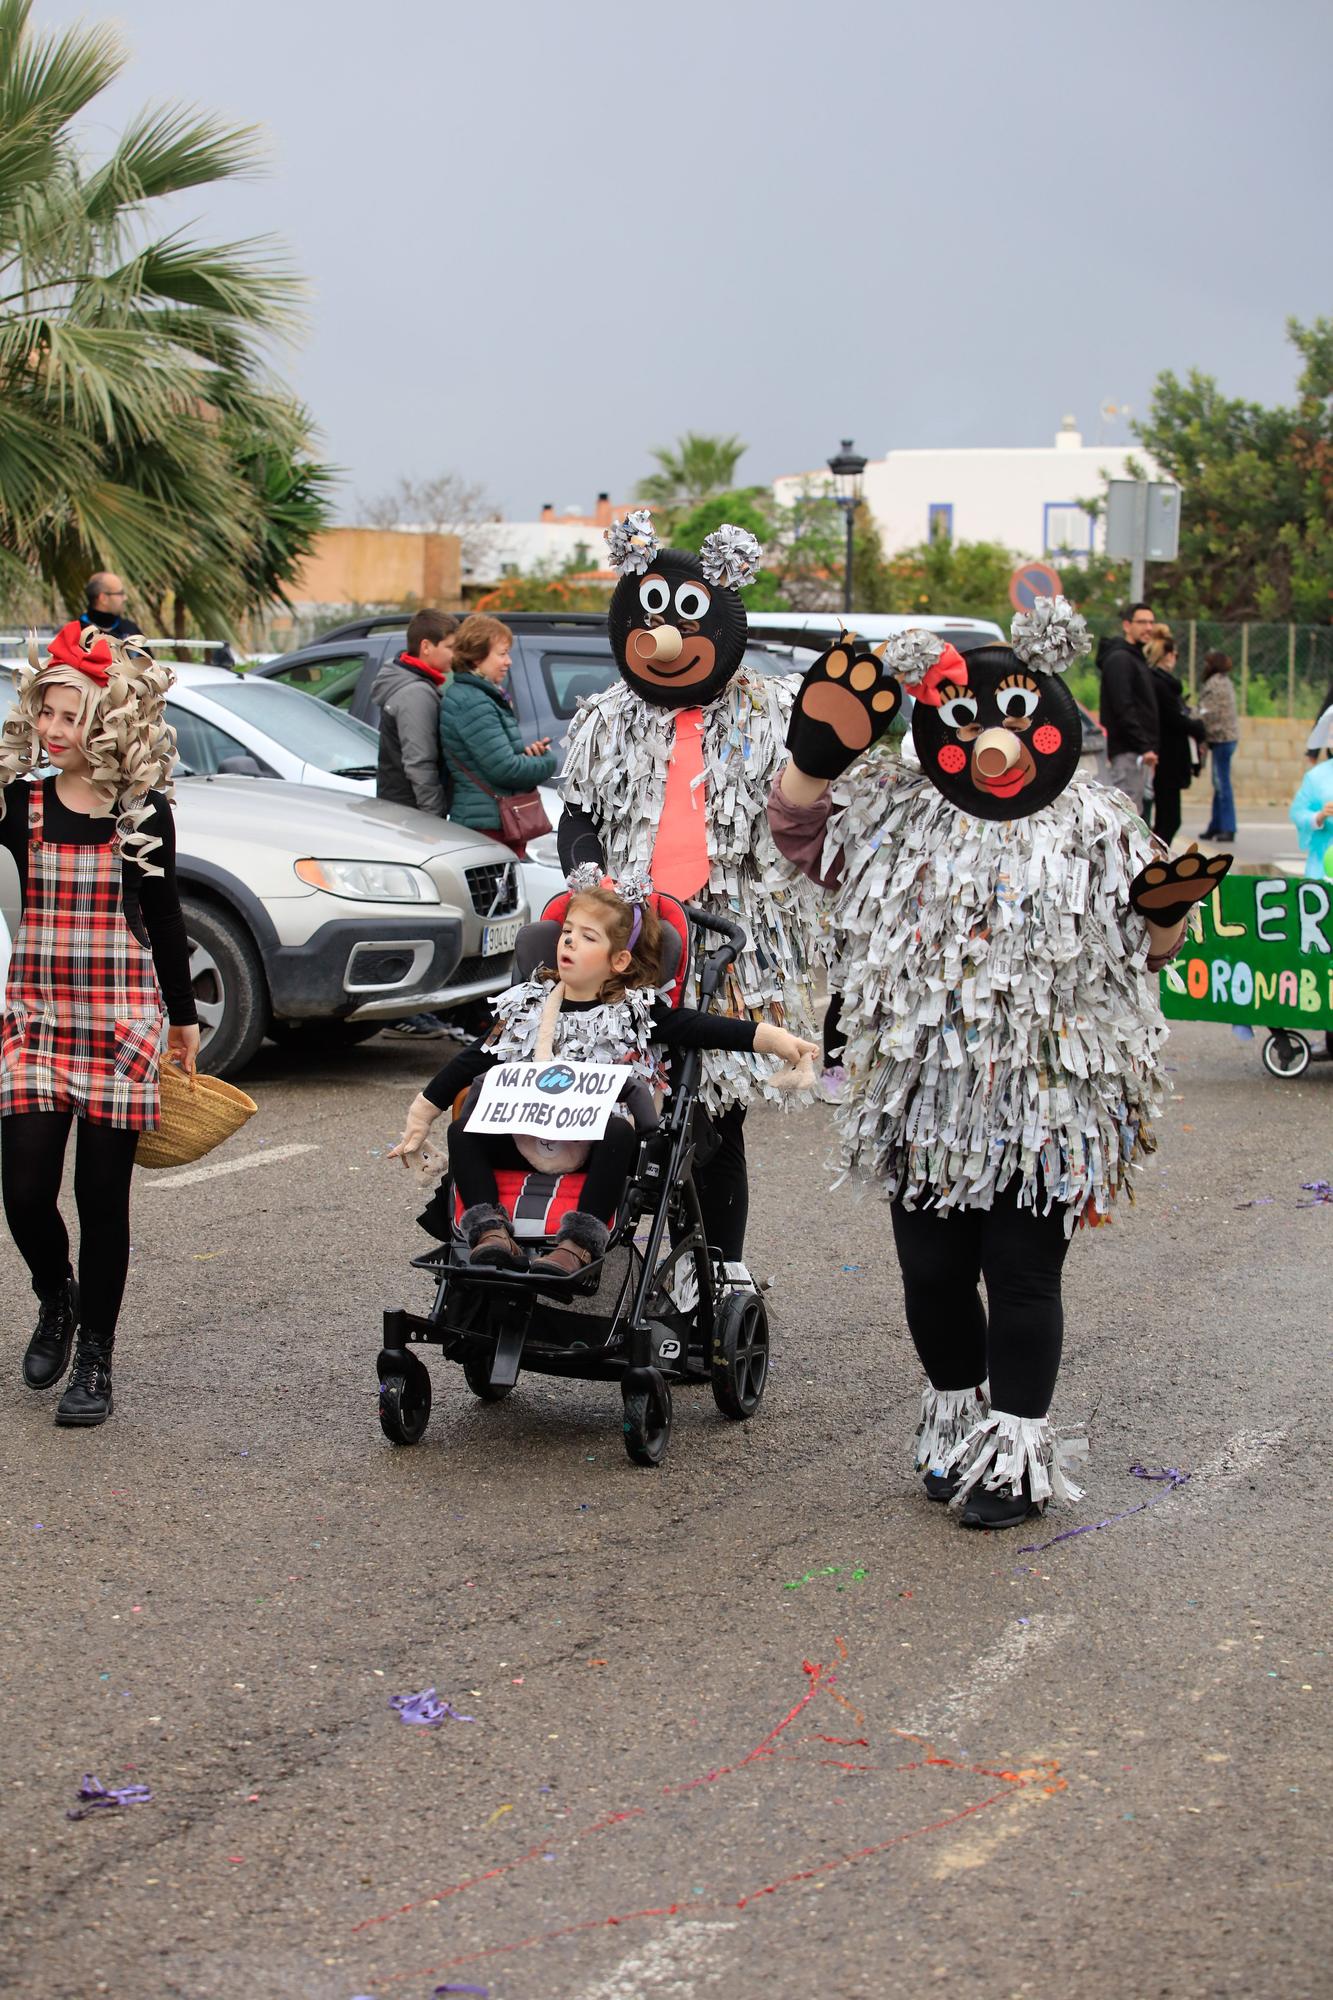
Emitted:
pixel 668 771
pixel 1001 922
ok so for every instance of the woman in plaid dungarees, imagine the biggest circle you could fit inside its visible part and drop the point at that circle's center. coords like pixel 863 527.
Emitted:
pixel 100 944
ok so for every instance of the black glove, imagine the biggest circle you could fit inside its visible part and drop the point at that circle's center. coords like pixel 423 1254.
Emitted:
pixel 1166 891
pixel 845 702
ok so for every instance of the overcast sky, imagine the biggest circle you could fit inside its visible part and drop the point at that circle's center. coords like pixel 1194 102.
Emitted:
pixel 543 236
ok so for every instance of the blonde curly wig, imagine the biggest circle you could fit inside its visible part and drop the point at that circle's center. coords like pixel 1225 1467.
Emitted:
pixel 130 748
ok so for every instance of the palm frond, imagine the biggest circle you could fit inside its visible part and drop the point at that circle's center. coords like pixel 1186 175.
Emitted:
pixel 169 148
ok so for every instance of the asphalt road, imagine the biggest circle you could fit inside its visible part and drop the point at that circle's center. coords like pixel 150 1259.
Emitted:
pixel 763 1722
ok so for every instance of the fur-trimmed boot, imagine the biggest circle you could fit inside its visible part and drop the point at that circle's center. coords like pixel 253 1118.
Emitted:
pixel 87 1400
pixel 47 1355
pixel 582 1238
pixel 947 1415
pixel 1010 1467
pixel 490 1237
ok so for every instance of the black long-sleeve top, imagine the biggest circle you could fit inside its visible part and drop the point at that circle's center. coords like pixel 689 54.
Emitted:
pixel 150 902
pixel 673 1027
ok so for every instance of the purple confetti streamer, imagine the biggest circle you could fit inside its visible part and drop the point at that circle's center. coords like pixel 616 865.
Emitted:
pixel 1321 1190
pixel 483 1990
pixel 427 1708
pixel 1168 1473
pixel 95 1795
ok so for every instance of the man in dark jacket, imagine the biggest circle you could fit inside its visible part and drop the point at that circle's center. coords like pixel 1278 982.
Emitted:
pixel 1129 705
pixel 408 691
pixel 104 596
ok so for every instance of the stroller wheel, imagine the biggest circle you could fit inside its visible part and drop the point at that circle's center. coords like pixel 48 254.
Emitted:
pixel 648 1422
pixel 477 1375
pixel 1286 1054
pixel 405 1403
pixel 740 1354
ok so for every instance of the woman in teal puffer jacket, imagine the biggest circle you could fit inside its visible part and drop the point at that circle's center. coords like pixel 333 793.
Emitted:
pixel 479 736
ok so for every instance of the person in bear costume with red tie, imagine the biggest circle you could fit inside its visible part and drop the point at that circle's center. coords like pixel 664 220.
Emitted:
pixel 668 771
pixel 1001 922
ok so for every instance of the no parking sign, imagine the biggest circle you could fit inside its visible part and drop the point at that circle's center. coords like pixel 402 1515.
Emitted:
pixel 1031 581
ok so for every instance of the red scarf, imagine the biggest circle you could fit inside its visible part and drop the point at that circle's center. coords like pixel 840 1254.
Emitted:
pixel 436 674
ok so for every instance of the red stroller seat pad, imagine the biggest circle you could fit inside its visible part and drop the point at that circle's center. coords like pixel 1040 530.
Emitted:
pixel 535 1203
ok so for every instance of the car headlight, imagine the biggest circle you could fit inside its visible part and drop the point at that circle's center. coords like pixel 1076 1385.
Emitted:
pixel 369 881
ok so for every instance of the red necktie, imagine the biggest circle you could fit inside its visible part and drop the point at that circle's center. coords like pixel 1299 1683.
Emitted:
pixel 680 856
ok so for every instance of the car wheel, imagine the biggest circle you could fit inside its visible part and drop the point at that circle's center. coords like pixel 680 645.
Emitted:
pixel 229 989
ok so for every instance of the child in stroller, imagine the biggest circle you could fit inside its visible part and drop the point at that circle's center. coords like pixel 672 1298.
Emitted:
pixel 608 998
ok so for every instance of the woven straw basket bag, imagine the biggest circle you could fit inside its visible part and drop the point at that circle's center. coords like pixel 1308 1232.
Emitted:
pixel 198 1113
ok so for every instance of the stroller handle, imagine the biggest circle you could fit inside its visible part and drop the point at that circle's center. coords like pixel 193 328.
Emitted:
pixel 709 920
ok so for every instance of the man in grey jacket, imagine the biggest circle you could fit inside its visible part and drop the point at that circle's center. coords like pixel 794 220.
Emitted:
pixel 407 691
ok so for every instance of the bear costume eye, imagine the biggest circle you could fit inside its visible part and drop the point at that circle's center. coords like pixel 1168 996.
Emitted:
pixel 655 594
pixel 958 712
pixel 692 600
pixel 1017 703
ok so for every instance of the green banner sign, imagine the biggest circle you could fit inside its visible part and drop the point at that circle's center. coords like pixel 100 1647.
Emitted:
pixel 1259 950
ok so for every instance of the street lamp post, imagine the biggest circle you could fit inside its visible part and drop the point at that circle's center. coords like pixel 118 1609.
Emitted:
pixel 847 467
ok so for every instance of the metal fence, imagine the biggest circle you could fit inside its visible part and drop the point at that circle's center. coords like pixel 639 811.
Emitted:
pixel 1283 670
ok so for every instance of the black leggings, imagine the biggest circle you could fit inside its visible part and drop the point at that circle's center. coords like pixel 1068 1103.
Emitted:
pixel 1016 1337
pixel 32 1158
pixel 475 1157
pixel 723 1186
pixel 1166 810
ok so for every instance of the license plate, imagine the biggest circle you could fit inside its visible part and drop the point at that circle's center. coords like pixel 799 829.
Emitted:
pixel 499 937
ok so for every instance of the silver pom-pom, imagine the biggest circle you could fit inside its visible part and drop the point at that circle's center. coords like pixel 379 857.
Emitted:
pixel 1051 636
pixel 634 886
pixel 730 557
pixel 587 875
pixel 909 656
pixel 633 543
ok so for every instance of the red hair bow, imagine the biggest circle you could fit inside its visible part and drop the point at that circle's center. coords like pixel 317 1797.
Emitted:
pixel 67 650
pixel 950 666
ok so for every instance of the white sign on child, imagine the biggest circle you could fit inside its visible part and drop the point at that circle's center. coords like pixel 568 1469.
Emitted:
pixel 550 1100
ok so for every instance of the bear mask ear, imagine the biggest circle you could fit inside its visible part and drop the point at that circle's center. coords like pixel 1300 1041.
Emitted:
pixel 730 557
pixel 633 543
pixel 1051 636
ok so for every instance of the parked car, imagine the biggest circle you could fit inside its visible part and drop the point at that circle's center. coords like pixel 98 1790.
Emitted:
pixel 316 918
pixel 244 725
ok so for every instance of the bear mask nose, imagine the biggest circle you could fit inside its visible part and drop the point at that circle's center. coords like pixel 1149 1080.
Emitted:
pixel 667 644
pixel 995 752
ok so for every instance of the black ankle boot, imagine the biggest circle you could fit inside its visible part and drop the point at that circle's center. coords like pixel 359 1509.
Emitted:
pixel 47 1355
pixel 1005 1509
pixel 88 1397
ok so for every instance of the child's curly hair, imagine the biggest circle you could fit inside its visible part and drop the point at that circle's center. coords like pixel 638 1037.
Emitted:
pixel 616 917
pixel 129 746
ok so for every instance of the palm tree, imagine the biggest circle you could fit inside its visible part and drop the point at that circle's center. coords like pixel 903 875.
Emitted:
pixel 699 467
pixel 131 357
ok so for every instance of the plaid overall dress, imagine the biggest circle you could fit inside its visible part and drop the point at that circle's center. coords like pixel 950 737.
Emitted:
pixel 83 1010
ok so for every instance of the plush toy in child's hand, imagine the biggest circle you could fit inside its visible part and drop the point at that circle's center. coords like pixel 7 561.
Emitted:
pixel 421 1115
pixel 845 702
pixel 1166 891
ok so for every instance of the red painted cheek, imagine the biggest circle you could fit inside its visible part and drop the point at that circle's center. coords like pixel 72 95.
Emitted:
pixel 951 759
pixel 1047 739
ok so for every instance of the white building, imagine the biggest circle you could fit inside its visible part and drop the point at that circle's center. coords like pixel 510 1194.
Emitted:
pixel 515 548
pixel 1025 497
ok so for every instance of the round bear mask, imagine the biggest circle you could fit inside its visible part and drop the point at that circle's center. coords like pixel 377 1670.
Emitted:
pixel 1005 744
pixel 677 638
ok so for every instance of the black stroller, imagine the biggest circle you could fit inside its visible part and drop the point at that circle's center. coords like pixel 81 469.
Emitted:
pixel 655 1309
